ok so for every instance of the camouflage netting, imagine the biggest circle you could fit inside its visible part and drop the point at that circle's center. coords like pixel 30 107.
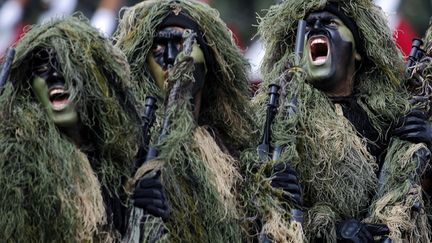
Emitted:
pixel 428 38
pixel 336 172
pixel 51 189
pixel 422 71
pixel 200 176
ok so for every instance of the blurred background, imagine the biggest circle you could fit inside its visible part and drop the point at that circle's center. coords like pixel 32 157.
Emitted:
pixel 240 15
pixel 407 18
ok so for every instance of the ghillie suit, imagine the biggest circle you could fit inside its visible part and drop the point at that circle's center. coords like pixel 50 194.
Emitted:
pixel 334 154
pixel 54 190
pixel 199 171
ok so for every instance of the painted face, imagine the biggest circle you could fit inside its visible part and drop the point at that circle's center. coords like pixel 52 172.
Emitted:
pixel 330 51
pixel 49 88
pixel 167 44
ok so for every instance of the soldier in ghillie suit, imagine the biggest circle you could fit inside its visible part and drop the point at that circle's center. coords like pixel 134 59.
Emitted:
pixel 210 120
pixel 419 83
pixel 68 137
pixel 335 119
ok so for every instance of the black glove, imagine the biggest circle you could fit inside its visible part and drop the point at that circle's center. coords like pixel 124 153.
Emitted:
pixel 353 231
pixel 414 128
pixel 149 195
pixel 286 179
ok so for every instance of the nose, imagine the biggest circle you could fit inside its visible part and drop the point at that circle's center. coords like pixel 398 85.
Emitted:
pixel 317 24
pixel 55 79
pixel 170 53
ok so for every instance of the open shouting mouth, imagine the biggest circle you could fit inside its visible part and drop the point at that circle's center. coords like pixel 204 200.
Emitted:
pixel 58 97
pixel 319 49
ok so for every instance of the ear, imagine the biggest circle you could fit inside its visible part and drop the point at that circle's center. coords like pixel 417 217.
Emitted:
pixel 357 56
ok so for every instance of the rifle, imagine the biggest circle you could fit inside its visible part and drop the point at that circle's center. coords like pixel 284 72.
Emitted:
pixel 190 37
pixel 148 119
pixel 137 216
pixel 6 66
pixel 422 156
pixel 265 150
pixel 133 233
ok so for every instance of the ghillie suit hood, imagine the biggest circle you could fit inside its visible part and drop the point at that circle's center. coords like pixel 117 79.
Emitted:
pixel 199 174
pixel 54 191
pixel 225 94
pixel 336 171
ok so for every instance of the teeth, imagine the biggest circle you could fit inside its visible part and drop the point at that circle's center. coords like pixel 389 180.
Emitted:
pixel 56 91
pixel 319 50
pixel 59 106
pixel 318 40
pixel 59 98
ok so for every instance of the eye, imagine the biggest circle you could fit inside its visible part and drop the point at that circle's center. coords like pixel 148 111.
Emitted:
pixel 157 48
pixel 41 69
pixel 333 23
pixel 179 45
pixel 310 22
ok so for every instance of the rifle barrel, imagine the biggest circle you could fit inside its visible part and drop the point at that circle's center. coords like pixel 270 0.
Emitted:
pixel 7 63
pixel 300 39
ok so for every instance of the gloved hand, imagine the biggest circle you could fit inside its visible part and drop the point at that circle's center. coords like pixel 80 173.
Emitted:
pixel 149 195
pixel 354 231
pixel 414 128
pixel 285 178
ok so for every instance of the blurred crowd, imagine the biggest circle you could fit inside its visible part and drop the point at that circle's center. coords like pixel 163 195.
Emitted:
pixel 408 19
pixel 16 14
pixel 103 14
